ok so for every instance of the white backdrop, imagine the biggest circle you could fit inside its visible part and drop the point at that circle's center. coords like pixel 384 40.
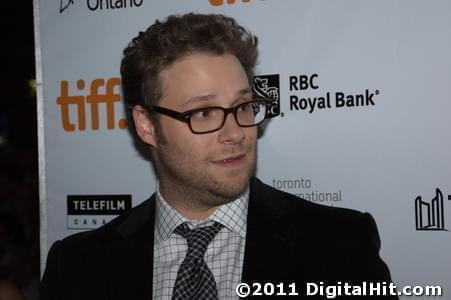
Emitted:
pixel 365 94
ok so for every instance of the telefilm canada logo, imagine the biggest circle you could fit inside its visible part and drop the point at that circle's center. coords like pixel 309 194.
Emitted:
pixel 92 211
pixel 268 86
pixel 430 215
pixel 94 5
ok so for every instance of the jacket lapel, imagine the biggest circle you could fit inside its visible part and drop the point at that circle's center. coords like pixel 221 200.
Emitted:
pixel 268 256
pixel 270 238
pixel 131 258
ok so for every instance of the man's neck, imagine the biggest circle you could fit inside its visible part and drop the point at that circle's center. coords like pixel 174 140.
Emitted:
pixel 188 203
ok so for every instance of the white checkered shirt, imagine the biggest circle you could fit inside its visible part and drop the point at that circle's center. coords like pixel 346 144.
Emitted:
pixel 224 255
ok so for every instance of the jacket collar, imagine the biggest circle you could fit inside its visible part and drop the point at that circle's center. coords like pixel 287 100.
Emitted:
pixel 270 238
pixel 131 258
pixel 269 250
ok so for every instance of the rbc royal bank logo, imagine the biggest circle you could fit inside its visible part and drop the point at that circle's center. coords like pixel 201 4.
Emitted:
pixel 268 86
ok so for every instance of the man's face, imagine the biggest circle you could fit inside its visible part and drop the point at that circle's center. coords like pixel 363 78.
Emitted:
pixel 217 164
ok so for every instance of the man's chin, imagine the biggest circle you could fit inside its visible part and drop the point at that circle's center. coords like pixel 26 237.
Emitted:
pixel 231 187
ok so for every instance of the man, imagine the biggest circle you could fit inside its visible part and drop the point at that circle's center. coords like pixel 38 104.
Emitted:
pixel 211 224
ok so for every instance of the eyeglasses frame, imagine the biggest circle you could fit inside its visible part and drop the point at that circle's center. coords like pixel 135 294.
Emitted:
pixel 186 115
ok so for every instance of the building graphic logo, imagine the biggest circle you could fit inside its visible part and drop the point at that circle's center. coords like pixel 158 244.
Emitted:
pixel 268 86
pixel 93 211
pixel 430 215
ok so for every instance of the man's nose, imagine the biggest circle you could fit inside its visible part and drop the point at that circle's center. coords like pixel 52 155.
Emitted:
pixel 231 132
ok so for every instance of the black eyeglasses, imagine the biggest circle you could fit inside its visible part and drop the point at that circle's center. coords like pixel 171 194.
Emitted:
pixel 210 119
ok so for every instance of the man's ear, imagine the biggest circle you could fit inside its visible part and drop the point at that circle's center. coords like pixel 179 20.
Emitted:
pixel 143 125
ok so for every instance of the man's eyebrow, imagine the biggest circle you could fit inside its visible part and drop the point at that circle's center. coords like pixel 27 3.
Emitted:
pixel 208 97
pixel 244 91
pixel 199 98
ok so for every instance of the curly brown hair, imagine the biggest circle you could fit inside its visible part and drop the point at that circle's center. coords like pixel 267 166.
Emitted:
pixel 165 42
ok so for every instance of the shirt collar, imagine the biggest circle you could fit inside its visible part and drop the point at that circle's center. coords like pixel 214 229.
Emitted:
pixel 232 215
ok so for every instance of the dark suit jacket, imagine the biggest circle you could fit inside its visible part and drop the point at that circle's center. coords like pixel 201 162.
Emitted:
pixel 288 240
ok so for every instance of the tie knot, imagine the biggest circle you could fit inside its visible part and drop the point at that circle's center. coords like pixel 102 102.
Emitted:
pixel 198 239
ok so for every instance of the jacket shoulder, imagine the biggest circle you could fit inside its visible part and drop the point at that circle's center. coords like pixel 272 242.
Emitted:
pixel 317 221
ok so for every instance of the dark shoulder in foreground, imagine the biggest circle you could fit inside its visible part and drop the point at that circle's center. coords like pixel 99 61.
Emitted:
pixel 319 242
pixel 317 221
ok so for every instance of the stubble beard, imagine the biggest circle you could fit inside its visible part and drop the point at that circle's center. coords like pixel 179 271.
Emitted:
pixel 189 184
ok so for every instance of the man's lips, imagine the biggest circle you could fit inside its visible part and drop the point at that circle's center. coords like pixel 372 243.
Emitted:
pixel 230 161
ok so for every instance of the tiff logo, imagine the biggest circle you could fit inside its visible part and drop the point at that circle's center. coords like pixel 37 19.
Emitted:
pixel 221 2
pixel 101 92
pixel 430 216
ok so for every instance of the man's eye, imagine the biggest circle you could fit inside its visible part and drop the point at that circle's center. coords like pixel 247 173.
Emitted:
pixel 203 114
pixel 244 107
